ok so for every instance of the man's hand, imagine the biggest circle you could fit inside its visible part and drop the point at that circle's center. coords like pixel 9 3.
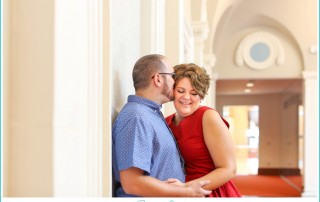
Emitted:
pixel 134 182
pixel 197 190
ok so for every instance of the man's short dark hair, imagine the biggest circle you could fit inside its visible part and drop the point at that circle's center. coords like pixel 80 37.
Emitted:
pixel 145 68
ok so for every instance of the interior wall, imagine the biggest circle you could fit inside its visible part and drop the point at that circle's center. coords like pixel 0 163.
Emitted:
pixel 227 67
pixel 269 124
pixel 278 126
pixel 295 19
pixel 125 49
pixel 295 24
pixel 289 129
pixel 31 98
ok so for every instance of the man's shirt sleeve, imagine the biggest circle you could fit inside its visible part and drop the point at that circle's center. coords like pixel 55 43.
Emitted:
pixel 133 144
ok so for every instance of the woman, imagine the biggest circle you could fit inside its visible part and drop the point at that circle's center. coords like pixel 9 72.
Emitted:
pixel 202 134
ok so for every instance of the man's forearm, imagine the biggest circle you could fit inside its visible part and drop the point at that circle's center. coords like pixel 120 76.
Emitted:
pixel 146 186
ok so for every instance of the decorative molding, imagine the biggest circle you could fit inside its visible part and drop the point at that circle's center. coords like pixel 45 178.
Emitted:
pixel 273 51
pixel 200 30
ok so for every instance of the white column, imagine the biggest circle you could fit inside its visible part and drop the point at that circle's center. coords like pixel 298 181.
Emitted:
pixel 96 102
pixel 210 99
pixel 209 62
pixel 78 99
pixel 152 26
pixel 200 33
pixel 311 132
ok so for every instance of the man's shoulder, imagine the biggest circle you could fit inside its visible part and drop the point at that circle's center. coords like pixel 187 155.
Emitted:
pixel 133 109
pixel 133 112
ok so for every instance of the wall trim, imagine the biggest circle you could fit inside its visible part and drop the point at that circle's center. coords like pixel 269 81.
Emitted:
pixel 279 171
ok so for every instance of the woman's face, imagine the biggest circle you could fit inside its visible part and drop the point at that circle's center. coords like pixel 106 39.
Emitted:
pixel 186 100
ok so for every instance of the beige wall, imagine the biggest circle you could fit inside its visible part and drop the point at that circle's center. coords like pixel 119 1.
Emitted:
pixel 30 98
pixel 6 96
pixel 290 129
pixel 291 68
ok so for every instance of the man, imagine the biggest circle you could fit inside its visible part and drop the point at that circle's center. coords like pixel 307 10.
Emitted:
pixel 144 150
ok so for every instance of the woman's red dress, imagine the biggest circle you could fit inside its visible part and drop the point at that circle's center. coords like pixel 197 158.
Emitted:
pixel 198 162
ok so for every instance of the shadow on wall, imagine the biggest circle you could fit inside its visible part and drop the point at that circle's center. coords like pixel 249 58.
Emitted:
pixel 117 96
pixel 114 114
pixel 113 118
pixel 117 104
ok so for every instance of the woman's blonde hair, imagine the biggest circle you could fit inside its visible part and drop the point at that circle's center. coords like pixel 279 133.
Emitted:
pixel 199 78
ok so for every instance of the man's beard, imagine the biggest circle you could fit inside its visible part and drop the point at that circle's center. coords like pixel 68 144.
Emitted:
pixel 167 92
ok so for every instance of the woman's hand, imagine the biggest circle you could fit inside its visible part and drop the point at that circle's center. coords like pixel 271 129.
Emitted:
pixel 175 181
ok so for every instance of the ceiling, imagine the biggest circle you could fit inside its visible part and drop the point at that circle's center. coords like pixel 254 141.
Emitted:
pixel 266 86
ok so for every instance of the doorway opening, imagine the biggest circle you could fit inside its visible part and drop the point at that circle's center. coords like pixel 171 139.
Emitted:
pixel 244 128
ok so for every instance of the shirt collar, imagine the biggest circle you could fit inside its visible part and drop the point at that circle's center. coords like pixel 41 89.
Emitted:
pixel 141 100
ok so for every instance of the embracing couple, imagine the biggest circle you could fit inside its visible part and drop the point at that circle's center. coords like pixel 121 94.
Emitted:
pixel 187 154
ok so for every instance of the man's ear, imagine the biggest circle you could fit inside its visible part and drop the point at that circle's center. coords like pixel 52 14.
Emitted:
pixel 157 80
